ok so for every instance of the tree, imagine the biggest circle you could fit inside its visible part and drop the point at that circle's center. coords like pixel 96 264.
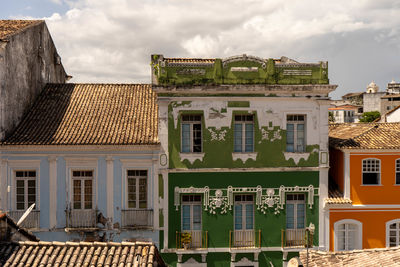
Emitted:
pixel 370 116
pixel 331 117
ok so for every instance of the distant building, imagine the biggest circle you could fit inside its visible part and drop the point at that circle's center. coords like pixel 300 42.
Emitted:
pixel 345 113
pixel 28 60
pixel 372 98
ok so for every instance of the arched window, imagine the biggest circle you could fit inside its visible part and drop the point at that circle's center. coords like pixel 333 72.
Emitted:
pixel 398 171
pixel 348 235
pixel 393 233
pixel 371 171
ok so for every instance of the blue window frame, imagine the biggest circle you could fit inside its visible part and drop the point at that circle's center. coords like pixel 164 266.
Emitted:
pixel 243 133
pixel 191 212
pixel 244 212
pixel 295 211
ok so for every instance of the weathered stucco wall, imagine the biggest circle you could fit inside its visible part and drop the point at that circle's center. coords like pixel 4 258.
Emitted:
pixel 269 132
pixel 28 60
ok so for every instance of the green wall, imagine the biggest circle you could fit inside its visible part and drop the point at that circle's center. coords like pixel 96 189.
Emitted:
pixel 218 225
pixel 218 154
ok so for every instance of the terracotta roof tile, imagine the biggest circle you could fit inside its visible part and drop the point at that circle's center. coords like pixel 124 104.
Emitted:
pixel 11 27
pixel 90 114
pixel 30 253
pixel 365 135
pixel 335 196
pixel 355 258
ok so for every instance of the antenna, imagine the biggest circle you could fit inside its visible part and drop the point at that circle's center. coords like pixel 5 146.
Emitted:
pixel 26 213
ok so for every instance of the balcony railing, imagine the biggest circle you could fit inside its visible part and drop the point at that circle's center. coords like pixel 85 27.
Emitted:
pixel 245 238
pixel 296 238
pixel 81 218
pixel 142 218
pixel 30 222
pixel 195 239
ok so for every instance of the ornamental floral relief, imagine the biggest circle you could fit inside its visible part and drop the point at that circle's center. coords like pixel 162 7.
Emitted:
pixel 220 200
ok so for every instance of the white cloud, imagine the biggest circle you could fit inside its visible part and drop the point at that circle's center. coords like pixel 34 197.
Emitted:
pixel 112 40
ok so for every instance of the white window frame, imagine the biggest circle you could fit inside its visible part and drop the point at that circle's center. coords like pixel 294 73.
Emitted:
pixel 358 241
pixel 25 180
pixel 137 189
pixel 191 123
pixel 16 165
pixel 388 232
pixel 295 131
pixel 243 123
pixel 370 171
pixel 82 185
pixel 397 171
pixel 244 262
pixel 296 202
pixel 191 204
pixel 81 164
pixel 244 203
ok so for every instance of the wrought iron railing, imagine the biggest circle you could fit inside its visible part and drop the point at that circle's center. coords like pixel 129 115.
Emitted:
pixel 195 239
pixel 137 218
pixel 296 238
pixel 30 222
pixel 245 239
pixel 77 218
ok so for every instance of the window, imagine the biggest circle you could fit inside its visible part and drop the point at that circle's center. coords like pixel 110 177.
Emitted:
pixel 295 211
pixel 244 212
pixel 393 233
pixel 137 189
pixel 244 133
pixel 82 182
pixel 371 171
pixel 348 235
pixel 191 212
pixel 295 133
pixel 191 133
pixel 398 171
pixel 25 194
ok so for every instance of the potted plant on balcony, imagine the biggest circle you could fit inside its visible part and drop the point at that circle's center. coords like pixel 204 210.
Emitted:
pixel 186 239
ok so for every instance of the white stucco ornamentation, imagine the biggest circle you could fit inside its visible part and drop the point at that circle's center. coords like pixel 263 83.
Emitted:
pixel 221 199
pixel 297 156
pixel 191 157
pixel 243 156
pixel 217 135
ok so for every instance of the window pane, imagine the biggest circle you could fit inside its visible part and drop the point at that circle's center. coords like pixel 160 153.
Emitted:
pixel 88 194
pixel 290 137
pixel 249 137
pixel 238 137
pixel 300 137
pixel 77 194
pixel 238 217
pixel 300 216
pixel 196 217
pixel 185 217
pixel 289 216
pixel 185 137
pixel 249 216
pixel 370 178
pixel 196 137
pixel 397 177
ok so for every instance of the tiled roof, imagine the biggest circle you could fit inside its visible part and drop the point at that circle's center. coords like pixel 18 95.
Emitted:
pixel 10 27
pixel 352 94
pixel 344 107
pixel 356 258
pixel 76 254
pixel 365 135
pixel 10 223
pixel 335 196
pixel 90 114
pixel 189 60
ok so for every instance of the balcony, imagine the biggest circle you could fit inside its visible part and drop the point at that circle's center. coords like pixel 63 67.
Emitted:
pixel 81 218
pixel 245 239
pixel 141 218
pixel 293 238
pixel 30 222
pixel 195 239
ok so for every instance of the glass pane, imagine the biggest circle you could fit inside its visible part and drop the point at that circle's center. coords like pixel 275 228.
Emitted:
pixel 20 206
pixel 290 137
pixel 249 216
pixel 185 137
pixel 370 178
pixel 196 137
pixel 237 141
pixel 88 194
pixel 249 137
pixel 185 217
pixel 238 217
pixel 289 216
pixel 300 216
pixel 196 217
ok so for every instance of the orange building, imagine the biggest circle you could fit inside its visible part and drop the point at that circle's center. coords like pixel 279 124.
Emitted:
pixel 364 186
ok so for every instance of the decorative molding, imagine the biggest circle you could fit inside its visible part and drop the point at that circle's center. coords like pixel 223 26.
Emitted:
pixel 221 199
pixel 244 57
pixel 244 69
pixel 191 157
pixel 244 156
pixel 163 159
pixel 297 156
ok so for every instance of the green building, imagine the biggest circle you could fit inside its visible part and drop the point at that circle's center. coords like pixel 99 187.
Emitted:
pixel 244 161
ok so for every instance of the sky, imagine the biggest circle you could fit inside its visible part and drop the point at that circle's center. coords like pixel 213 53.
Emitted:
pixel 112 40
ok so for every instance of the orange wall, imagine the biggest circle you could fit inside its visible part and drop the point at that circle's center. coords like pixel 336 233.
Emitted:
pixel 386 193
pixel 373 225
pixel 336 170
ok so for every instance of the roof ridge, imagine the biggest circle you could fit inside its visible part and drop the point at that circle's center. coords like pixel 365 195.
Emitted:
pixel 35 22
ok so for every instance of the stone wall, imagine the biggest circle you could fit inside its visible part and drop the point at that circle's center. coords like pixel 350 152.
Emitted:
pixel 28 60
